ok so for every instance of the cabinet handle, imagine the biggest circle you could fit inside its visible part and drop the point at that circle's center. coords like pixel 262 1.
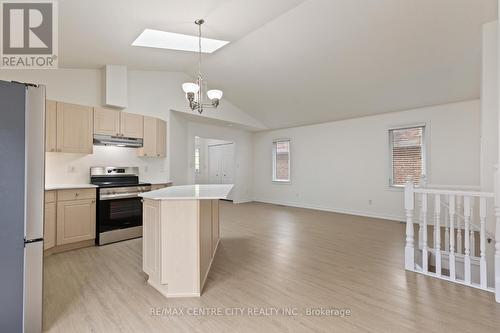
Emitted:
pixel 158 155
pixel 77 194
pixel 93 201
pixel 145 154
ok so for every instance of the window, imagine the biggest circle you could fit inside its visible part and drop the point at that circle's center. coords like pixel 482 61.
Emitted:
pixel 281 161
pixel 197 160
pixel 407 149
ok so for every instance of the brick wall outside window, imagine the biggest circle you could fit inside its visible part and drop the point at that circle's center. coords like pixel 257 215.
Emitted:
pixel 407 154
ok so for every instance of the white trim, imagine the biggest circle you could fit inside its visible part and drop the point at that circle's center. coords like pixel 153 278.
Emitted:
pixel 334 210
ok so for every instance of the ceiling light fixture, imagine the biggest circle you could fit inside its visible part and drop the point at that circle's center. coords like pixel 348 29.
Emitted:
pixel 194 91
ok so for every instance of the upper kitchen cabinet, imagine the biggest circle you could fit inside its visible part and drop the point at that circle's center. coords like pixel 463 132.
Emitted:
pixel 161 138
pixel 74 128
pixel 155 138
pixel 106 121
pixel 132 125
pixel 118 123
pixel 50 126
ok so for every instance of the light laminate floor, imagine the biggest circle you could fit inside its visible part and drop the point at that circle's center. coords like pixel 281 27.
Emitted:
pixel 270 257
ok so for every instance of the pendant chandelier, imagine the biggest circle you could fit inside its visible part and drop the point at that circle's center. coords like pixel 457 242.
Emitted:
pixel 194 91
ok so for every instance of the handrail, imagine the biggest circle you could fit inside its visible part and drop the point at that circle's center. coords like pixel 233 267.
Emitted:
pixel 454 192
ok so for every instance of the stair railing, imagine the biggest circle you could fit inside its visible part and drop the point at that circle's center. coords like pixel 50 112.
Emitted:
pixel 438 197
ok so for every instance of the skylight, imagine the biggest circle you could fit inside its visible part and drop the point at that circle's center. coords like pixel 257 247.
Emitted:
pixel 172 41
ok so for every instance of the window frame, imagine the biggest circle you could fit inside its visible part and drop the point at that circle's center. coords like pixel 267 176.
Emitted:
pixel 197 150
pixel 425 129
pixel 274 153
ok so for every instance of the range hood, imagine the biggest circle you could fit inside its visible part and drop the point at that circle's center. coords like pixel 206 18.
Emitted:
pixel 109 140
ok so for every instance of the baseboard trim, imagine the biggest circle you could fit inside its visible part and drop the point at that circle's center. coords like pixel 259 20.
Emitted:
pixel 69 247
pixel 334 210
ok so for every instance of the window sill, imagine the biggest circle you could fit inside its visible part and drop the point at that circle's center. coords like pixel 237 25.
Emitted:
pixel 282 182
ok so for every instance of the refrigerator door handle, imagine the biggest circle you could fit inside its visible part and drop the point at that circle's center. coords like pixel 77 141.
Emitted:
pixel 28 241
pixel 35 162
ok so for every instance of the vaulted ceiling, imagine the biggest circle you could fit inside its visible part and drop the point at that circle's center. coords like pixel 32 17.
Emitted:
pixel 296 62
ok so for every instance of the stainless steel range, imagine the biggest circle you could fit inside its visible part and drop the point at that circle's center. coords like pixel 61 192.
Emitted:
pixel 119 209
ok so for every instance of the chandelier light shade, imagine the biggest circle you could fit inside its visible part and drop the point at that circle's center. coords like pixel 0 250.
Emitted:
pixel 189 87
pixel 214 94
pixel 194 91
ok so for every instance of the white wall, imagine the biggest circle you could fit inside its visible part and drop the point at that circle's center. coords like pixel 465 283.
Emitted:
pixel 182 169
pixel 489 106
pixel 150 93
pixel 341 166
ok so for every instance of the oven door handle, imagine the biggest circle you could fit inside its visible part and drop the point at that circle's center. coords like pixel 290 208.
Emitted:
pixel 118 196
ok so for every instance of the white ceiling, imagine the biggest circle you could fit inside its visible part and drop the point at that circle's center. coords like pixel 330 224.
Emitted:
pixel 295 62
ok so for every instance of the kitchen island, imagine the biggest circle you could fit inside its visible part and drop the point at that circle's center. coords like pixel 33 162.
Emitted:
pixel 180 236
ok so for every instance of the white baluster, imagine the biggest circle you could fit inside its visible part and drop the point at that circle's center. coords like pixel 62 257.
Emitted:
pixel 452 238
pixel 459 227
pixel 425 253
pixel 467 268
pixel 421 224
pixel 447 228
pixel 472 240
pixel 437 233
pixel 410 242
pixel 482 242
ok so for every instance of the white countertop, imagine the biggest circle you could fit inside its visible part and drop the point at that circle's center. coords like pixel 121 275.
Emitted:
pixel 187 192
pixel 50 187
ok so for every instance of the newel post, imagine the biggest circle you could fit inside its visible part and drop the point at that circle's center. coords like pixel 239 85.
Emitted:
pixel 497 235
pixel 410 241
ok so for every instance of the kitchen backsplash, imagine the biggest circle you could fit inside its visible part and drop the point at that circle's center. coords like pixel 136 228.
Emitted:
pixel 64 168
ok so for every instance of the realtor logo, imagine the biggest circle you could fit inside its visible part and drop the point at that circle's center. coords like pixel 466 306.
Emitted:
pixel 29 34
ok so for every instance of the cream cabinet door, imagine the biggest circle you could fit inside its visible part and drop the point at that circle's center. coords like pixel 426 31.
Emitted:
pixel 132 125
pixel 106 121
pixel 75 221
pixel 149 142
pixel 161 138
pixel 74 128
pixel 49 231
pixel 50 126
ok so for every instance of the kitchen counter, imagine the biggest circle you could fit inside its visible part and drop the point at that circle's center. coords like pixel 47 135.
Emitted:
pixel 50 187
pixel 190 192
pixel 180 237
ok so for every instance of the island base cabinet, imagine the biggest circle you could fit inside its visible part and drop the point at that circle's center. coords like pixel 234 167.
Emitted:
pixel 180 238
pixel 151 238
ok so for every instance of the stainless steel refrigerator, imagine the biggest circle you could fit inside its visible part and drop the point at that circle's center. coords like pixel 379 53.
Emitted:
pixel 22 178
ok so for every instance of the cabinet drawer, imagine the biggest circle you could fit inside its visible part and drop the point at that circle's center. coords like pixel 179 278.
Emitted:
pixel 76 194
pixel 50 196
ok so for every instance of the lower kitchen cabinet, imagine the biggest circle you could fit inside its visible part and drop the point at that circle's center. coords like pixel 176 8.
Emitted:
pixel 75 221
pixel 69 221
pixel 49 231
